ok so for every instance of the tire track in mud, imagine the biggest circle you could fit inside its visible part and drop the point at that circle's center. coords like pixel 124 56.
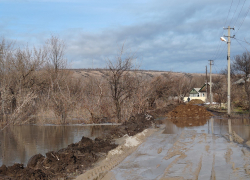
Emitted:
pixel 185 151
pixel 247 159
pixel 238 139
pixel 185 142
pixel 213 176
pixel 190 155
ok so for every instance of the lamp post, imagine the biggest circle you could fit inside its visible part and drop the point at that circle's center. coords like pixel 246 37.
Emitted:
pixel 228 69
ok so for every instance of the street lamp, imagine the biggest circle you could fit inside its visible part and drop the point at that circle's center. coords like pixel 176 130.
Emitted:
pixel 223 39
pixel 228 68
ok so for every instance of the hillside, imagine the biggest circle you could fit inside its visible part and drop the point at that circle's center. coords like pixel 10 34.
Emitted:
pixel 144 73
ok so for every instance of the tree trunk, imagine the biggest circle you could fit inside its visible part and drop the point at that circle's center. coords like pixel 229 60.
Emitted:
pixel 118 111
pixel 247 90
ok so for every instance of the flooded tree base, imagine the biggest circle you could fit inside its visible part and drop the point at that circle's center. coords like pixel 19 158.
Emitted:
pixel 77 157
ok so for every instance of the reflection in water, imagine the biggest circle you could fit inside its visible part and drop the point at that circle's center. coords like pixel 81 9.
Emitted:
pixel 214 125
pixel 19 143
pixel 230 129
pixel 188 122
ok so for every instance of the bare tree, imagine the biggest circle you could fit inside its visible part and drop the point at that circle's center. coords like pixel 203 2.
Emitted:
pixel 33 81
pixel 55 49
pixel 120 80
pixel 219 89
pixel 198 81
pixel 92 99
pixel 140 97
pixel 241 66
pixel 59 93
pixel 18 82
pixel 3 76
pixel 161 87
pixel 183 85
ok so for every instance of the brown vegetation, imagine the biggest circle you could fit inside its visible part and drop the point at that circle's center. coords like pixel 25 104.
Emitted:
pixel 241 69
pixel 36 86
pixel 219 89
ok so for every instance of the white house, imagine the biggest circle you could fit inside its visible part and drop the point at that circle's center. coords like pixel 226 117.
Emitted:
pixel 199 93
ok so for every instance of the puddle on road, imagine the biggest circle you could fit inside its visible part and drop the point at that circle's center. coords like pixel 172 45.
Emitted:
pixel 214 125
pixel 19 143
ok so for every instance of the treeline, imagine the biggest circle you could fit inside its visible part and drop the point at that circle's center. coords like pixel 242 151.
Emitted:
pixel 35 83
pixel 31 80
pixel 240 74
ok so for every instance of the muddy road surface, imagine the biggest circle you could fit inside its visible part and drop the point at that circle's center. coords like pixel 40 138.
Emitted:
pixel 191 154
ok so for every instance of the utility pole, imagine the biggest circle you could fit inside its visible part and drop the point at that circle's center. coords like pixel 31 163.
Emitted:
pixel 206 84
pixel 3 81
pixel 228 71
pixel 211 94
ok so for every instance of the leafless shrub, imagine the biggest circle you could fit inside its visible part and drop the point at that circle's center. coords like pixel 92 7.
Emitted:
pixel 18 82
pixel 120 81
pixel 35 82
pixel 241 68
pixel 55 60
pixel 182 86
pixel 92 97
pixel 161 87
pixel 219 89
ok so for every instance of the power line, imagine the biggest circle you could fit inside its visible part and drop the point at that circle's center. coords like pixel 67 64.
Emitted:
pixel 239 12
pixel 242 45
pixel 234 12
pixel 241 40
pixel 243 20
pixel 219 44
pixel 218 49
pixel 228 12
pixel 223 52
pixel 217 72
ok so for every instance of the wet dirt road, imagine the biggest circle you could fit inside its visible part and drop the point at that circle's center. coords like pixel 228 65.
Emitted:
pixel 191 154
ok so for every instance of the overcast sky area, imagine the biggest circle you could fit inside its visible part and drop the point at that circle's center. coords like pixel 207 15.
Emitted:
pixel 173 35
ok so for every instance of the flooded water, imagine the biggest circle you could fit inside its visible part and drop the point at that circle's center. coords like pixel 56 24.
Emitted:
pixel 19 143
pixel 215 126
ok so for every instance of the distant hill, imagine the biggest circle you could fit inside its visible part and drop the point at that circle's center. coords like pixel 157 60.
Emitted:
pixel 145 73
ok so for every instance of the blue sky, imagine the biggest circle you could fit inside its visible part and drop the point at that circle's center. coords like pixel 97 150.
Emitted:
pixel 173 35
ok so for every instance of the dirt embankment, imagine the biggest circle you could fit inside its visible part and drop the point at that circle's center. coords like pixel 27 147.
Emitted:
pixel 135 124
pixel 77 157
pixel 189 115
pixel 189 111
pixel 162 112
pixel 196 101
